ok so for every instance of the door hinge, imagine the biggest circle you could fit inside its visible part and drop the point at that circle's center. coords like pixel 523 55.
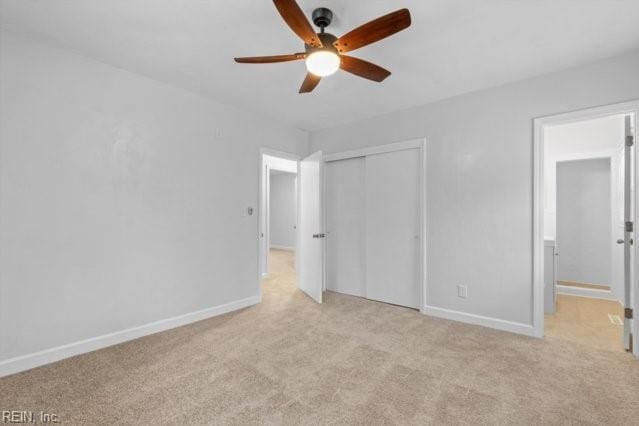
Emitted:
pixel 627 313
pixel 630 140
pixel 629 227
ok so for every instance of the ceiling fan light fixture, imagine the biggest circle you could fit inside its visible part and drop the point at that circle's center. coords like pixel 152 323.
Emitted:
pixel 322 63
pixel 324 53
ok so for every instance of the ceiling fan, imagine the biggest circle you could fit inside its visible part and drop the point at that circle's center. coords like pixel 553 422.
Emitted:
pixel 324 53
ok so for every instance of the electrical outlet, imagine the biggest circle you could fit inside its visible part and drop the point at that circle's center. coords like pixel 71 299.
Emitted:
pixel 462 291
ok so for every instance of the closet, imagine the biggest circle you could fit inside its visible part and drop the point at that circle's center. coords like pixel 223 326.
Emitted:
pixel 373 224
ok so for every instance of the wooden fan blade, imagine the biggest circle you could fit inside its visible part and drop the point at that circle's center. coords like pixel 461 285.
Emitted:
pixel 294 17
pixel 373 31
pixel 310 82
pixel 270 59
pixel 363 68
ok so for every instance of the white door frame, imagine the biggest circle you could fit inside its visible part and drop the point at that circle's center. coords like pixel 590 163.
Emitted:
pixel 538 203
pixel 262 213
pixel 400 146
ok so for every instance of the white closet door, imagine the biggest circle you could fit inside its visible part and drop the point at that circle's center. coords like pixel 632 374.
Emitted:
pixel 346 226
pixel 393 227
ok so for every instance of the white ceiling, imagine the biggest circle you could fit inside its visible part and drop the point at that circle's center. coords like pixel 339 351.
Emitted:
pixel 453 47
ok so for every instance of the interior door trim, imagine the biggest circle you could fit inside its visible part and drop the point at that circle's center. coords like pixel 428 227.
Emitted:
pixel 380 149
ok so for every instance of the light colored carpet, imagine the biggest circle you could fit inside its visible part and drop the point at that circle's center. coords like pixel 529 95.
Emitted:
pixel 585 321
pixel 289 360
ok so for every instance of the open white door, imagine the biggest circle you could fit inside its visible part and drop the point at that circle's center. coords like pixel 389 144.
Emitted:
pixel 628 235
pixel 311 247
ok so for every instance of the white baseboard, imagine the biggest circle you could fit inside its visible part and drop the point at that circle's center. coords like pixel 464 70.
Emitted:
pixel 47 356
pixel 593 293
pixel 499 324
pixel 287 248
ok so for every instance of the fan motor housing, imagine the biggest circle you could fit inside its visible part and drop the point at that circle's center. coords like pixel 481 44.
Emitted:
pixel 322 17
pixel 327 40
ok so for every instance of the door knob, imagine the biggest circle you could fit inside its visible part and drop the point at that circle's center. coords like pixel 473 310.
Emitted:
pixel 319 235
pixel 620 241
pixel 631 241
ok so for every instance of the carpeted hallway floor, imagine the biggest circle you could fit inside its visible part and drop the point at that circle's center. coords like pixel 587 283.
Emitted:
pixel 585 321
pixel 289 360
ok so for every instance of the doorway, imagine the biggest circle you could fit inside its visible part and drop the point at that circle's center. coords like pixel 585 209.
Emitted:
pixel 290 237
pixel 584 216
pixel 278 217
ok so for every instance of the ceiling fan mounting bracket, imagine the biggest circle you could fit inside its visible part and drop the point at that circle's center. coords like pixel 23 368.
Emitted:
pixel 322 17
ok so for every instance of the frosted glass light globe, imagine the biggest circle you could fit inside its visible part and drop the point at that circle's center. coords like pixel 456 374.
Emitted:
pixel 322 63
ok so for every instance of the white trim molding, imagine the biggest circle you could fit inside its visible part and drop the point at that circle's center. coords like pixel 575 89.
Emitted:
pixel 498 324
pixel 380 149
pixel 281 154
pixel 47 356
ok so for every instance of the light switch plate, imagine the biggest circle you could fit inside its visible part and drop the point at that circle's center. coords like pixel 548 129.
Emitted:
pixel 462 291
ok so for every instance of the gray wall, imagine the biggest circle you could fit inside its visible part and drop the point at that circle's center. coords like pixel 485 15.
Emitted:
pixel 480 178
pixel 123 199
pixel 283 209
pixel 583 221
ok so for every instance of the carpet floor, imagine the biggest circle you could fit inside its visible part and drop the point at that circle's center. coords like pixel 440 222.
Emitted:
pixel 347 361
pixel 586 321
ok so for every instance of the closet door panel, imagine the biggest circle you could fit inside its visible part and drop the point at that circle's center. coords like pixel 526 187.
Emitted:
pixel 346 226
pixel 393 227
